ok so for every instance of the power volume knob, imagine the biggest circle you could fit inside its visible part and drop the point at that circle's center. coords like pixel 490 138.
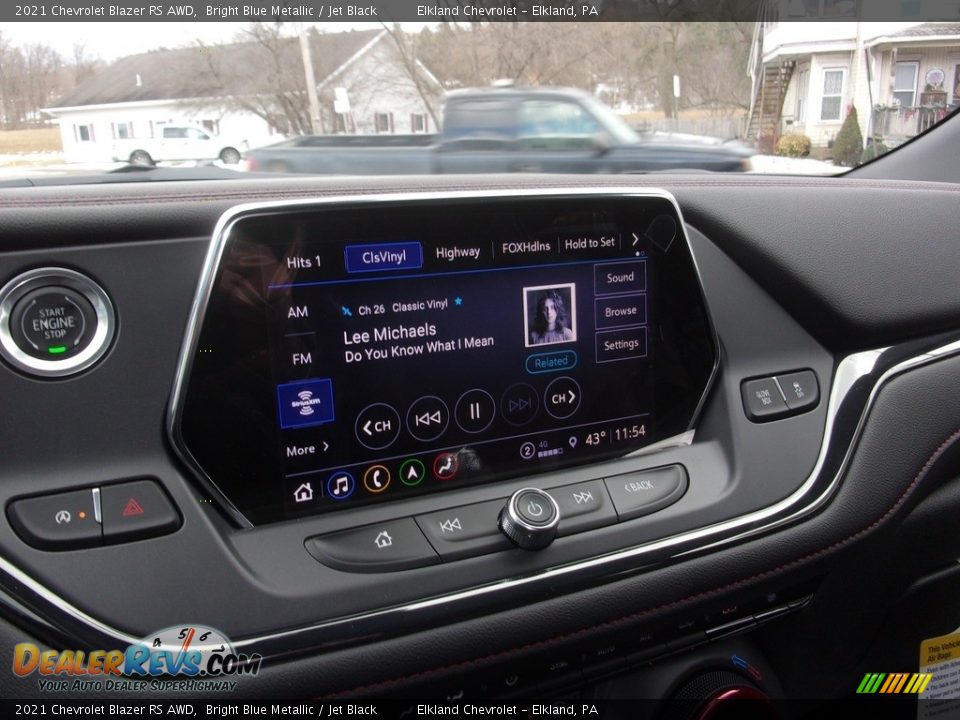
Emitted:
pixel 530 518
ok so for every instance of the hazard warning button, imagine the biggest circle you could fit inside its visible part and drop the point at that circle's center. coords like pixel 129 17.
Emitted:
pixel 136 510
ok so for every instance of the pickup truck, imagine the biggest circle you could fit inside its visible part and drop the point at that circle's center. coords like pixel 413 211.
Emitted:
pixel 502 130
pixel 178 142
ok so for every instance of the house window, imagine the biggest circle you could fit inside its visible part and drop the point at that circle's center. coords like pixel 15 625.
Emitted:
pixel 832 99
pixel 122 131
pixel 905 83
pixel 83 133
pixel 418 122
pixel 803 87
pixel 383 122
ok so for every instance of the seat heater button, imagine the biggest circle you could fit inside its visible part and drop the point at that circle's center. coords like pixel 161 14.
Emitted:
pixel 386 546
pixel 642 493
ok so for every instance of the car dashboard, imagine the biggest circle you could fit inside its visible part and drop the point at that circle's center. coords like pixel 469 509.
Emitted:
pixel 553 437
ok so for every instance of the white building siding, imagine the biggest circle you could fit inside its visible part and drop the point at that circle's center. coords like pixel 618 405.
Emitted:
pixel 802 36
pixel 145 120
pixel 377 83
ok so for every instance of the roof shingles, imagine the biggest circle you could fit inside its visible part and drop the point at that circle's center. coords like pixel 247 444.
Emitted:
pixel 183 73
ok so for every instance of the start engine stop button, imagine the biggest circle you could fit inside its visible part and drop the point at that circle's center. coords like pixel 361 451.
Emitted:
pixel 54 322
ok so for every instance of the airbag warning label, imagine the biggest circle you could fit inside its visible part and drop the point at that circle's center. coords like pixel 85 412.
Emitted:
pixel 940 656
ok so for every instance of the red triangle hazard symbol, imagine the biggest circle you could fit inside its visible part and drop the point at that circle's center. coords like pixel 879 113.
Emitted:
pixel 132 508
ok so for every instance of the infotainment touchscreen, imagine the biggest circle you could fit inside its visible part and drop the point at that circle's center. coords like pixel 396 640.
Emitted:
pixel 350 354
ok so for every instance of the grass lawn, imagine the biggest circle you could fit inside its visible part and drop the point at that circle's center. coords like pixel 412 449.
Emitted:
pixel 30 141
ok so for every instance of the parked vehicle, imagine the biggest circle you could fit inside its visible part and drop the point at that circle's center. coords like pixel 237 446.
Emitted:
pixel 499 130
pixel 178 142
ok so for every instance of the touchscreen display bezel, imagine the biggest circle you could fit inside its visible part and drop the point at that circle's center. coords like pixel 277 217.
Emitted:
pixel 206 457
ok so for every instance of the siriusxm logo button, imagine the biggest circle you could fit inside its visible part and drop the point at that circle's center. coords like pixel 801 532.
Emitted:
pixel 307 402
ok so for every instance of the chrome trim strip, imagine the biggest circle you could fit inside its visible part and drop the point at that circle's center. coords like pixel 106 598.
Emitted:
pixel 852 371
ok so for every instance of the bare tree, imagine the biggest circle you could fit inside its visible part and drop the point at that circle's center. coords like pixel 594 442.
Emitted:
pixel 28 82
pixel 84 64
pixel 426 87
pixel 262 74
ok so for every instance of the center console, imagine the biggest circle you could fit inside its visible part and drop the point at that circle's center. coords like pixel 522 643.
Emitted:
pixel 392 411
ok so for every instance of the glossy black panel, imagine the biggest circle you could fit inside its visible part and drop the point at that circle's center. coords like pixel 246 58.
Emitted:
pixel 356 355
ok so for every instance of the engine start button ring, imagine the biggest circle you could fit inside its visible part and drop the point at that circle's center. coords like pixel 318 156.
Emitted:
pixel 54 322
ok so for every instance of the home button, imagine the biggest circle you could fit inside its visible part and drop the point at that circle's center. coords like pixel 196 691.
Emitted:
pixel 387 546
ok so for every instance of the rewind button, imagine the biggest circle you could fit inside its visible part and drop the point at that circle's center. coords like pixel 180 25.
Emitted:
pixel 465 531
pixel 427 418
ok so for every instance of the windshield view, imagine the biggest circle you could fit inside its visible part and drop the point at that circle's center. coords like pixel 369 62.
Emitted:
pixel 438 97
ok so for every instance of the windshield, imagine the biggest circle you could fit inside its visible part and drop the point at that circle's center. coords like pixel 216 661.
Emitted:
pixel 434 94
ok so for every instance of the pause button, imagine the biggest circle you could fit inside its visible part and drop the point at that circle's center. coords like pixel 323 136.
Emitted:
pixel 475 410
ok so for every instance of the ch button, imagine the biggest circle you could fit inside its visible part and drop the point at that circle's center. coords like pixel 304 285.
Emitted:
pixel 377 426
pixel 562 397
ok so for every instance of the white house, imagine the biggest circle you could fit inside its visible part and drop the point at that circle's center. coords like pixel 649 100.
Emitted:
pixel 900 76
pixel 239 90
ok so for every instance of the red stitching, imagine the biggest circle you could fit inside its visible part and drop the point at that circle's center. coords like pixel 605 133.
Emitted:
pixel 609 624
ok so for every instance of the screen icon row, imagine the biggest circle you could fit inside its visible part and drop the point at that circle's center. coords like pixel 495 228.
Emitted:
pixel 377 478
